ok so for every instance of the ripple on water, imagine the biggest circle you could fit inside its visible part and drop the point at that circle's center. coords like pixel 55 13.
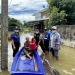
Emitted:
pixel 66 54
pixel 73 69
pixel 65 71
pixel 60 64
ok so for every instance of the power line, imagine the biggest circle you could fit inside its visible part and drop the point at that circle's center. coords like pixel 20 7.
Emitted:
pixel 9 6
pixel 10 3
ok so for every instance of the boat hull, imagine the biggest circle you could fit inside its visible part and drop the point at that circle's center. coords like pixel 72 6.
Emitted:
pixel 26 67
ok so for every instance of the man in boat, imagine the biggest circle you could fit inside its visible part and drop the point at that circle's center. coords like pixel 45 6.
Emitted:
pixel 29 47
pixel 15 39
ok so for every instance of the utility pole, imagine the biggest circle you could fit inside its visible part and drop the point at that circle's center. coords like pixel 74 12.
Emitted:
pixel 4 34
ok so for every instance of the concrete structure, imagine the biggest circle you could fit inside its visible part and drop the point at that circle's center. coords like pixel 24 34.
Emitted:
pixel 67 33
pixel 43 14
pixel 4 34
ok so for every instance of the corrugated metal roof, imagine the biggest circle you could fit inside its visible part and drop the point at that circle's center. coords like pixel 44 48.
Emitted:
pixel 39 20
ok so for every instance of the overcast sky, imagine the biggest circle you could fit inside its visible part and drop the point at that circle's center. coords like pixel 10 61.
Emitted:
pixel 23 9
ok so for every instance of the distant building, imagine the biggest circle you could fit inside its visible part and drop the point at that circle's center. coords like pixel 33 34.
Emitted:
pixel 40 17
pixel 43 14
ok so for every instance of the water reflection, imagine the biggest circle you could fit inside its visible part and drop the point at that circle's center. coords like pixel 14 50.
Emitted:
pixel 6 72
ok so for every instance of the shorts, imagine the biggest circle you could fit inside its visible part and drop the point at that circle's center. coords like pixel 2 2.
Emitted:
pixel 42 45
pixel 28 51
pixel 46 45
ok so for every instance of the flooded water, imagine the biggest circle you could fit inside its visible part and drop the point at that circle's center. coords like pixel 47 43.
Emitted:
pixel 65 65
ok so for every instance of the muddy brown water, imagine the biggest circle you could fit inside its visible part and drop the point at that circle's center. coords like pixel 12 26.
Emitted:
pixel 65 65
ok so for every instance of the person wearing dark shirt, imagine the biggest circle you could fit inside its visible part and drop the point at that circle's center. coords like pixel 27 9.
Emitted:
pixel 36 36
pixel 46 38
pixel 15 39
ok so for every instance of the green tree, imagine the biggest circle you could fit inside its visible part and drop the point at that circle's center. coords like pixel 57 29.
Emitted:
pixel 46 23
pixel 65 10
pixel 13 22
pixel 57 18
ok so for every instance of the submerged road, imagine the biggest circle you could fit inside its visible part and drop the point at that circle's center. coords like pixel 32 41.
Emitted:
pixel 65 65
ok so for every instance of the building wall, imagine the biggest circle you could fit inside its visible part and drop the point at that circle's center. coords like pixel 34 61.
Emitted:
pixel 40 26
pixel 44 14
pixel 67 35
pixel 38 16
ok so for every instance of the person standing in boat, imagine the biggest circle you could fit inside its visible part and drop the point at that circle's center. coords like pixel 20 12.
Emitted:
pixel 15 39
pixel 54 43
pixel 37 35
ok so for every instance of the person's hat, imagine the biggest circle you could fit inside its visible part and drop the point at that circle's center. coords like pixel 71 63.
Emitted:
pixel 54 27
pixel 45 28
pixel 16 29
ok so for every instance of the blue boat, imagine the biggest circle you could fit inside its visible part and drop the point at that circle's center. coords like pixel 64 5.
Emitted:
pixel 24 66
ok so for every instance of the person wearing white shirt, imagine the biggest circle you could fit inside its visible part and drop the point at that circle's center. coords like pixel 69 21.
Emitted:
pixel 54 43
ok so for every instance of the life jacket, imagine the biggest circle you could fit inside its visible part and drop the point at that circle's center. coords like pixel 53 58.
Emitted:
pixel 32 45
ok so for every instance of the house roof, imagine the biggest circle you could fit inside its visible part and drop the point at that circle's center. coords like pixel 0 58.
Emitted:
pixel 40 12
pixel 39 20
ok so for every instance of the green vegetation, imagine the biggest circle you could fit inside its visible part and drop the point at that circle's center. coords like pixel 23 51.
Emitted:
pixel 61 12
pixel 26 29
pixel 46 23
pixel 27 26
pixel 14 22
